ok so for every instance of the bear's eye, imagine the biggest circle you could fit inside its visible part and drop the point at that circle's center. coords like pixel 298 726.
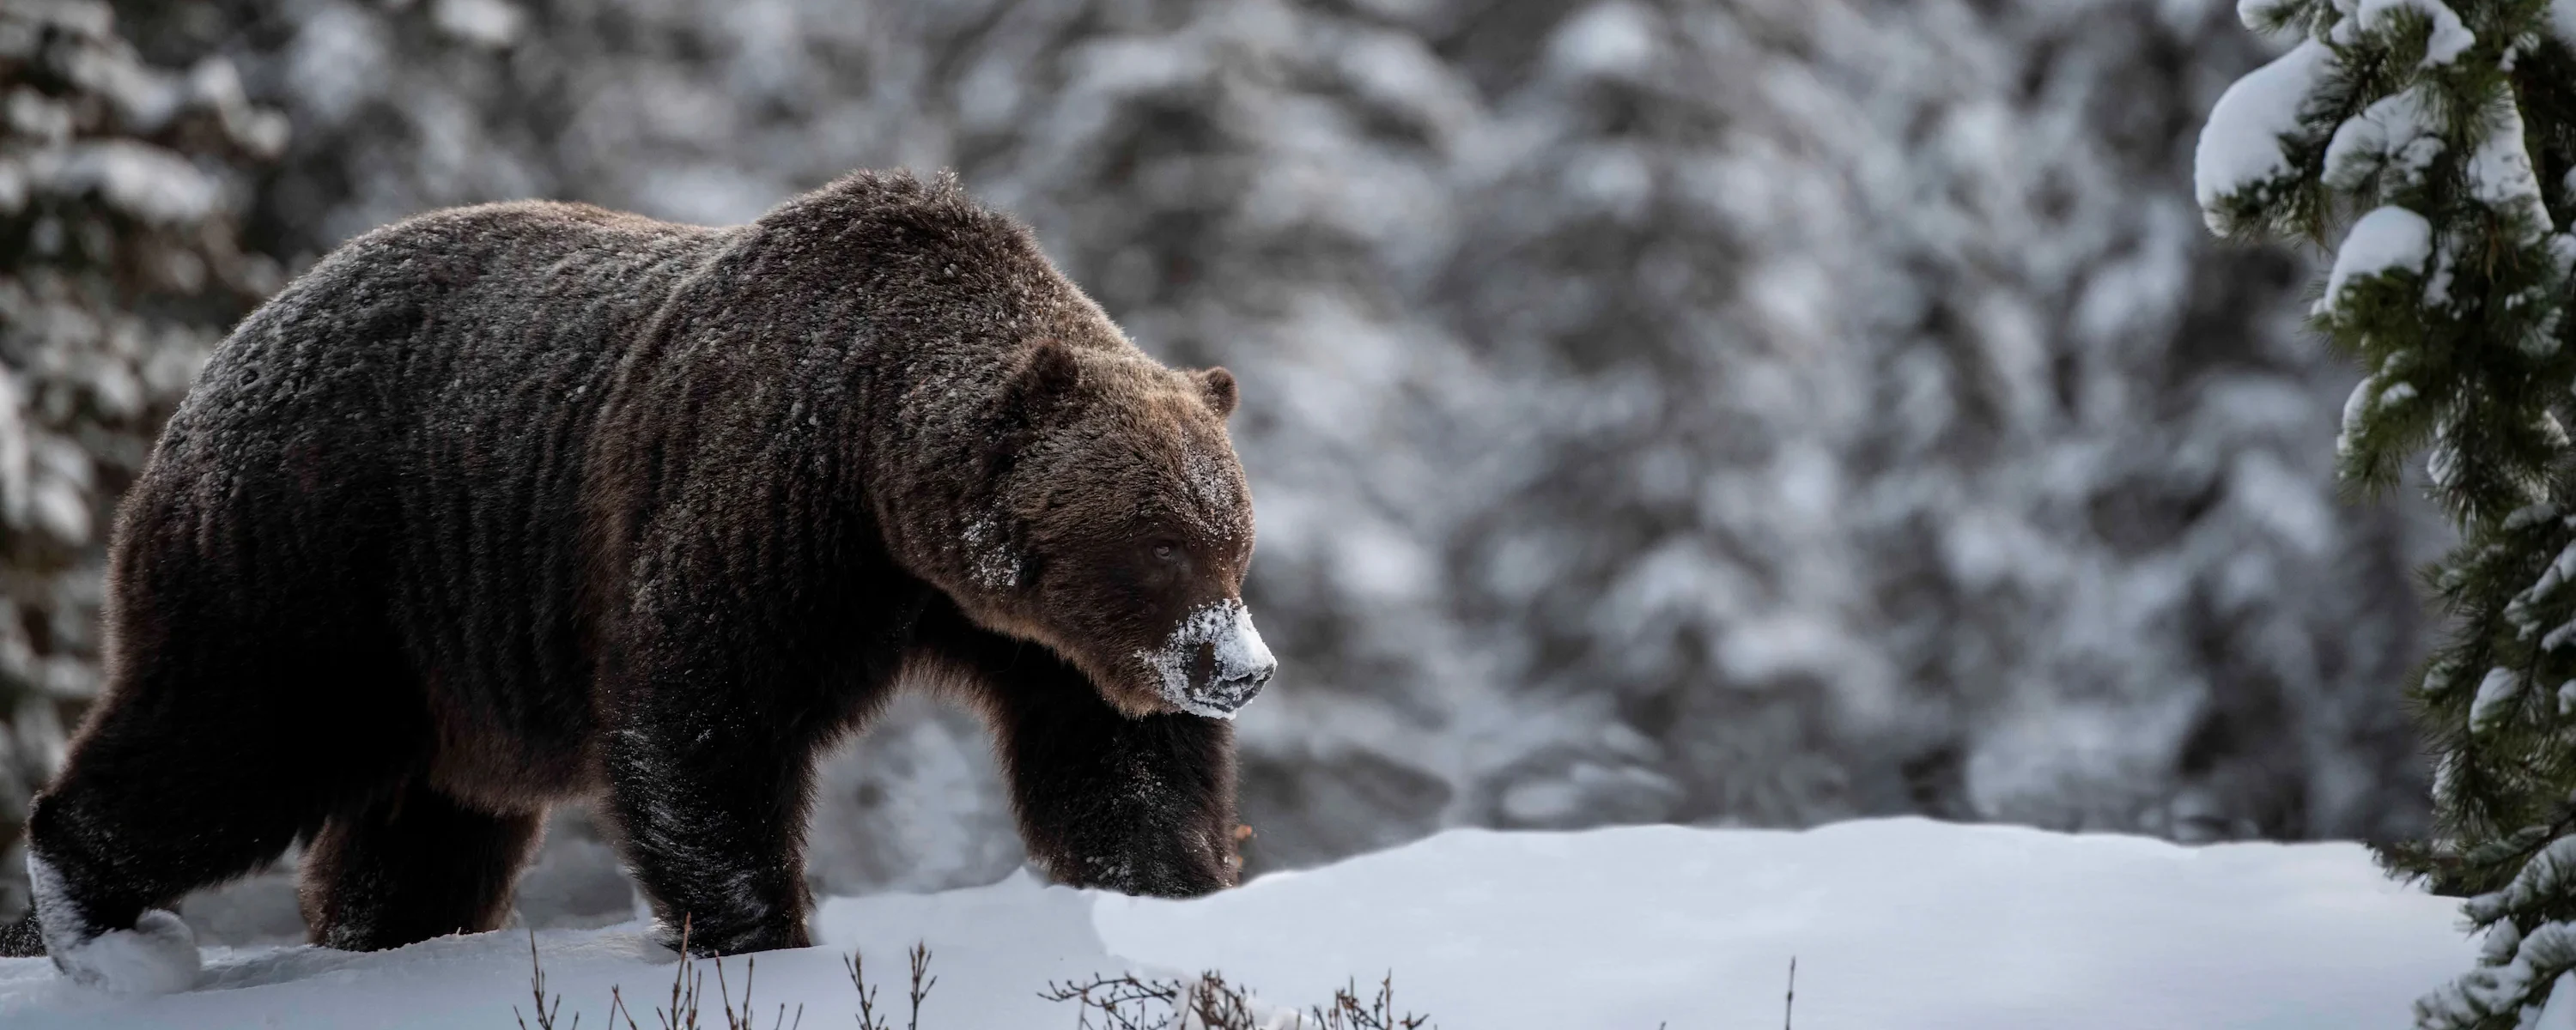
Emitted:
pixel 1164 551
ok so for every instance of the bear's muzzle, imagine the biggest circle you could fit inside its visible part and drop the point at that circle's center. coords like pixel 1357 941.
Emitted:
pixel 1214 661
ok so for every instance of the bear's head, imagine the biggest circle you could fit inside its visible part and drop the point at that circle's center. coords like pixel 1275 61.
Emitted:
pixel 1119 528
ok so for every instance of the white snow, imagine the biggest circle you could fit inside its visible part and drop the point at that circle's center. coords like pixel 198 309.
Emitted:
pixel 990 560
pixel 158 956
pixel 1225 627
pixel 1607 39
pixel 1894 923
pixel 2355 405
pixel 2546 875
pixel 2241 145
pixel 16 460
pixel 2560 570
pixel 2395 133
pixel 2388 239
pixel 488 23
pixel 2437 286
pixel 2500 174
pixel 2448 40
pixel 145 181
pixel 2497 690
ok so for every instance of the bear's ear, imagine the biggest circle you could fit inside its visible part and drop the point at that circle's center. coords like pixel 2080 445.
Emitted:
pixel 1047 377
pixel 1221 393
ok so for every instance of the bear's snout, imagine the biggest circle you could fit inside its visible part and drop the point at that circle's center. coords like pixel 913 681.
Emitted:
pixel 1214 662
pixel 1240 687
pixel 1242 663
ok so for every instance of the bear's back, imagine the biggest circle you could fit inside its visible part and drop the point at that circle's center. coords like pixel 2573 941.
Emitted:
pixel 417 317
pixel 414 412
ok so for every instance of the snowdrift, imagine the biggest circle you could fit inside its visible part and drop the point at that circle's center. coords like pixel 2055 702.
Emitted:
pixel 1900 923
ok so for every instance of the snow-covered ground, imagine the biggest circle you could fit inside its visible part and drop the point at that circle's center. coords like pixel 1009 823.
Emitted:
pixel 1894 923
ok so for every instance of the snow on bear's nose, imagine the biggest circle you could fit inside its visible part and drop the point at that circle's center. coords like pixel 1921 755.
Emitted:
pixel 1218 637
pixel 1241 656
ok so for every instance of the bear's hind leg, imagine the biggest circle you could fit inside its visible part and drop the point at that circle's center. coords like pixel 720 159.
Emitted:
pixel 162 794
pixel 252 691
pixel 410 867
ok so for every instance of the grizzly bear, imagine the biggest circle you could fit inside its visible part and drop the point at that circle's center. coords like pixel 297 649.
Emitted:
pixel 507 505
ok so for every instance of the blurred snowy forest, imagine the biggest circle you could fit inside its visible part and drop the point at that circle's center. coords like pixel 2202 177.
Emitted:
pixel 1728 412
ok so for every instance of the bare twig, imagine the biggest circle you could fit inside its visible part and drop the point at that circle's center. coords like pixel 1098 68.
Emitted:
pixel 688 993
pixel 920 987
pixel 1123 1002
pixel 1217 1004
pixel 1348 1012
pixel 546 1014
pixel 1789 1006
pixel 687 984
pixel 617 1007
pixel 747 1019
pixel 856 966
pixel 1129 1003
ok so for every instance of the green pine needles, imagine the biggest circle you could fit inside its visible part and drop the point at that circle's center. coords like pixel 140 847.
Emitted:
pixel 2436 141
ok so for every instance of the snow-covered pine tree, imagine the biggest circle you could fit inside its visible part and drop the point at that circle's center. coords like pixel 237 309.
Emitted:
pixel 2429 130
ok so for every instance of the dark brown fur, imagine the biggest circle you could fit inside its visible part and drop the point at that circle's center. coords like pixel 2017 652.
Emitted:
pixel 507 505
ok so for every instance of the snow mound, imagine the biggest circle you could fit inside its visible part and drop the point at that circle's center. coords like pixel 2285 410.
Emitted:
pixel 1894 923
pixel 158 956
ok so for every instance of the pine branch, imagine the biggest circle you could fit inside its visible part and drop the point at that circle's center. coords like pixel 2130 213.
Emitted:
pixel 2437 141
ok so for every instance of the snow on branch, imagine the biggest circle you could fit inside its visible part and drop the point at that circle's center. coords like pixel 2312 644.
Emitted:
pixel 2445 38
pixel 2440 122
pixel 2241 150
pixel 2386 241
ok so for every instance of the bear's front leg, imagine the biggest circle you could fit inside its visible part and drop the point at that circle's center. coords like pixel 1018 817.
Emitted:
pixel 710 812
pixel 1140 806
